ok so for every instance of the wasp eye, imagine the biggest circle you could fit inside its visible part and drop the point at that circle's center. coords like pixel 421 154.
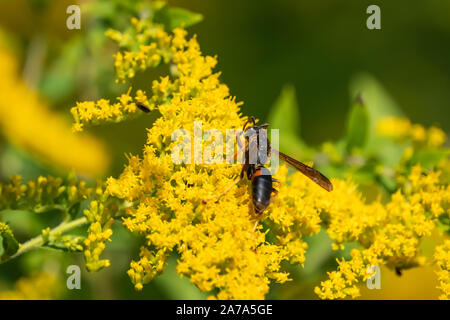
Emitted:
pixel 142 107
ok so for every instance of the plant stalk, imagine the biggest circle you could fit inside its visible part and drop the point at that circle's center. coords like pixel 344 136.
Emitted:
pixel 38 241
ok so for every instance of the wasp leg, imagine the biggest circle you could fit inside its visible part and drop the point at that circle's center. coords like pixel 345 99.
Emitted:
pixel 223 192
pixel 254 227
pixel 275 180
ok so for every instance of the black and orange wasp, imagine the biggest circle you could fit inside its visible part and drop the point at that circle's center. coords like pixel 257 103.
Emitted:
pixel 260 176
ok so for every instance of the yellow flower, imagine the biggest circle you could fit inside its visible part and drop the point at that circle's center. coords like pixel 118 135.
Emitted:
pixel 436 137
pixel 27 122
pixel 389 234
pixel 442 258
pixel 218 248
pixel 100 217
pixel 401 129
pixel 40 286
pixel 394 127
pixel 188 65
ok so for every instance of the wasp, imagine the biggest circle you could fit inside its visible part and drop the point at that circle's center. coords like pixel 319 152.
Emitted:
pixel 260 176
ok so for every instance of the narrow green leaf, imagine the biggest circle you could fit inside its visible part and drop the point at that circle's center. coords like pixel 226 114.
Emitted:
pixel 59 81
pixel 378 102
pixel 285 116
pixel 357 126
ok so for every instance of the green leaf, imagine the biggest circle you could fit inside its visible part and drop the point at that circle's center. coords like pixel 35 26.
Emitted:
pixel 22 221
pixel 363 175
pixel 318 254
pixel 294 147
pixel 59 81
pixel 173 17
pixel 176 286
pixel 429 157
pixel 75 209
pixel 378 102
pixel 388 183
pixel 8 243
pixel 100 9
pixel 285 116
pixel 444 223
pixel 357 126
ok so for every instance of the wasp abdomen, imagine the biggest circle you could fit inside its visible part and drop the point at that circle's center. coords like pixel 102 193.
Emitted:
pixel 261 189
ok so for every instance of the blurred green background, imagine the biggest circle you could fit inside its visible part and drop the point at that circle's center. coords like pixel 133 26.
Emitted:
pixel 318 47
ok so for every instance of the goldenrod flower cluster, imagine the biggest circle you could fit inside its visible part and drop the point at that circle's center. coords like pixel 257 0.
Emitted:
pixel 100 217
pixel 27 122
pixel 442 257
pixel 153 43
pixel 160 49
pixel 49 193
pixel 402 129
pixel 215 242
pixel 388 234
pixel 217 247
pixel 43 193
pixel 39 286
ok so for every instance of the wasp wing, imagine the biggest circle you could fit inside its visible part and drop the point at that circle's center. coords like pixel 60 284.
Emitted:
pixel 311 173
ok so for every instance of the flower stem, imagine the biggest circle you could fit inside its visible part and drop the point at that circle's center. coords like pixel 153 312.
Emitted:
pixel 38 241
